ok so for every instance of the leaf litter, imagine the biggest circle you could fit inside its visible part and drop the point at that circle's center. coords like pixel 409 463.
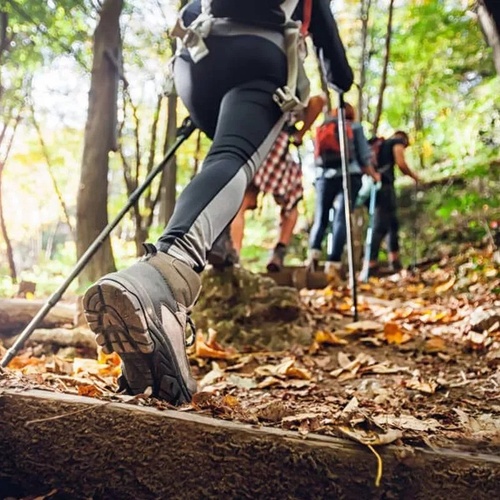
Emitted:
pixel 421 367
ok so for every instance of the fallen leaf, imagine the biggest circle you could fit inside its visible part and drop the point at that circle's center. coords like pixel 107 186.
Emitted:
pixel 421 385
pixel 364 326
pixel 329 338
pixel 435 344
pixel 444 287
pixel 371 437
pixel 393 333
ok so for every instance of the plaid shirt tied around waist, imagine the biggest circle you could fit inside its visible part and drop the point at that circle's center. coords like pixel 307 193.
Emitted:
pixel 280 175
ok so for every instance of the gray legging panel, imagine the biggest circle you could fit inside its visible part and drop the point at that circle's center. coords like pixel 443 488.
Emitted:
pixel 229 95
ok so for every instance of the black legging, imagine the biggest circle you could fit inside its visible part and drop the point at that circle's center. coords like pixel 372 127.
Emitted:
pixel 385 221
pixel 229 95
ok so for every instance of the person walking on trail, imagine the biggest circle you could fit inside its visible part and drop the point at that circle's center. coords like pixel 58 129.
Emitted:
pixel 238 75
pixel 329 185
pixel 386 223
pixel 281 176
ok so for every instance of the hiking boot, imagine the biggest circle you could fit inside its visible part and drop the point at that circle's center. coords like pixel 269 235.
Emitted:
pixel 276 263
pixel 142 314
pixel 395 266
pixel 313 260
pixel 333 271
pixel 222 254
pixel 368 272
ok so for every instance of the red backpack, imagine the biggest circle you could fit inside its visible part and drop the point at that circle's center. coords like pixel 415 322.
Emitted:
pixel 327 144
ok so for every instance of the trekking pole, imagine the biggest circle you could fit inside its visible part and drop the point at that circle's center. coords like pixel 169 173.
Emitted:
pixel 184 131
pixel 415 228
pixel 346 184
pixel 369 232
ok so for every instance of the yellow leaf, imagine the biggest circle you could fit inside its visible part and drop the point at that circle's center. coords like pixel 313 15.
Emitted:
pixel 444 287
pixel 393 333
pixel 329 338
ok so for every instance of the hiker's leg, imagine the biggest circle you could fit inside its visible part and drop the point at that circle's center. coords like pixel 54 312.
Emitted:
pixel 238 224
pixel 339 228
pixel 288 219
pixel 326 190
pixel 142 312
pixel 249 122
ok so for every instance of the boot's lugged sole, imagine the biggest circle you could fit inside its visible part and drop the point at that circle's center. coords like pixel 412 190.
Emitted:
pixel 130 326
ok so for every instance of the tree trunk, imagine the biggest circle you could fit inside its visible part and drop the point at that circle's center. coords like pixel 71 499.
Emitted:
pixel 100 139
pixel 365 16
pixel 490 27
pixel 3 225
pixel 169 176
pixel 383 81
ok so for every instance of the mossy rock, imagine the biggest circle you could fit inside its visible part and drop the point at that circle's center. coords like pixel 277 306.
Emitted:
pixel 249 311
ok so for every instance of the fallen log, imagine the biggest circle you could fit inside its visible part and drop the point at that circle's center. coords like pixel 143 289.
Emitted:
pixel 60 337
pixel 86 448
pixel 15 314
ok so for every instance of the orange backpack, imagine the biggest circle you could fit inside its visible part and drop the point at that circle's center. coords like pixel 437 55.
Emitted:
pixel 327 144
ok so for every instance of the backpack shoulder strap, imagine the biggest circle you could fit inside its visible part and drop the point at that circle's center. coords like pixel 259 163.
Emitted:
pixel 306 17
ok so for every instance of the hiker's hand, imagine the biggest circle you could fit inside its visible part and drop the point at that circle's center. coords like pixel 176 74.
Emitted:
pixel 377 176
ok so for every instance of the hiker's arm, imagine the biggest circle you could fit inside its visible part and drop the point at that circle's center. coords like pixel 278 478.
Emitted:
pixel 329 46
pixel 399 158
pixel 313 109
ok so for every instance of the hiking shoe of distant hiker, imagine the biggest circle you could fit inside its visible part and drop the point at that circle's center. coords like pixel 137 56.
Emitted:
pixel 368 272
pixel 333 271
pixel 314 257
pixel 395 266
pixel 223 254
pixel 277 258
pixel 142 314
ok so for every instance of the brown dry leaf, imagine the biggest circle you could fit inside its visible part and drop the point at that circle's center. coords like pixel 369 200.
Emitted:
pixel 269 382
pixel 329 338
pixel 24 362
pixel 435 344
pixel 89 390
pixel 348 369
pixel 286 369
pixel 214 375
pixel 230 401
pixel 421 385
pixel 408 422
pixel 370 437
pixel 210 349
pixel 300 373
pixel 364 326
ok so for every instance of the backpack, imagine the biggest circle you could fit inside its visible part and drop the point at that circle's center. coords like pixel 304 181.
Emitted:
pixel 327 144
pixel 375 146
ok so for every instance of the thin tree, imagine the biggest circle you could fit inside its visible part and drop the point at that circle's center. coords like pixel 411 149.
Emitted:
pixel 488 13
pixel 3 159
pixel 99 140
pixel 383 80
pixel 50 169
pixel 364 59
